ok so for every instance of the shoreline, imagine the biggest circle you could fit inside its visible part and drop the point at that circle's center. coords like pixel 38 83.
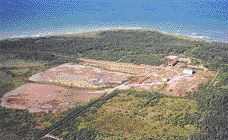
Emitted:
pixel 192 37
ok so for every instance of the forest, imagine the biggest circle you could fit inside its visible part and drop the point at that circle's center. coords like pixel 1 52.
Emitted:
pixel 21 58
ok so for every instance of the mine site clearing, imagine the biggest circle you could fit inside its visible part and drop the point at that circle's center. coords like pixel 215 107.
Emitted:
pixel 47 98
pixel 70 85
pixel 174 78
pixel 81 76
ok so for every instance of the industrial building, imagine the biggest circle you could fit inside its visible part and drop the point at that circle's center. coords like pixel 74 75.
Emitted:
pixel 188 72
pixel 173 62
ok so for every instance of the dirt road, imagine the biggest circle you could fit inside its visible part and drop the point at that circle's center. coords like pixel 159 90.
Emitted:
pixel 76 114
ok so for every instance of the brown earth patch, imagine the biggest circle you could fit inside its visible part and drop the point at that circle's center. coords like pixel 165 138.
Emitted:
pixel 164 79
pixel 80 76
pixel 117 66
pixel 173 85
pixel 179 85
pixel 46 98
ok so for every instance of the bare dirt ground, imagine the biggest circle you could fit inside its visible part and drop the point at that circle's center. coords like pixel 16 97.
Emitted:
pixel 46 98
pixel 116 66
pixel 171 81
pixel 180 84
pixel 163 79
pixel 96 74
pixel 80 76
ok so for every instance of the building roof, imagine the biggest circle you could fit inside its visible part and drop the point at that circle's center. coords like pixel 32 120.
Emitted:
pixel 188 71
pixel 173 62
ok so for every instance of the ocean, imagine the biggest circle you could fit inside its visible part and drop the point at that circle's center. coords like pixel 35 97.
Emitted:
pixel 203 19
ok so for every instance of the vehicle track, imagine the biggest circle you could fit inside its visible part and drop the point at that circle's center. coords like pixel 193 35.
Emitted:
pixel 74 114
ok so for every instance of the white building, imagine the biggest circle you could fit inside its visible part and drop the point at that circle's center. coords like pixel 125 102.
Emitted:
pixel 188 72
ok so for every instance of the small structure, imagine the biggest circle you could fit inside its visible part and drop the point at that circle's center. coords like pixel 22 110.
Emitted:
pixel 166 79
pixel 188 72
pixel 173 62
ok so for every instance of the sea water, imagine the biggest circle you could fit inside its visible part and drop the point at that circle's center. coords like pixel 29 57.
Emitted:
pixel 205 19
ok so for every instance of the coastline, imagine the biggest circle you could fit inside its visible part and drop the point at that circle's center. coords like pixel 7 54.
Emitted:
pixel 192 37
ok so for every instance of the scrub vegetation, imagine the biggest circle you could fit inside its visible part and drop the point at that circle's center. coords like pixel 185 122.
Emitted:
pixel 201 115
pixel 139 115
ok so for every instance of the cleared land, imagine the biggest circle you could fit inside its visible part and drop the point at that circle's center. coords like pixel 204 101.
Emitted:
pixel 46 98
pixel 163 79
pixel 116 66
pixel 93 74
pixel 144 47
pixel 177 85
pixel 180 84
pixel 80 76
